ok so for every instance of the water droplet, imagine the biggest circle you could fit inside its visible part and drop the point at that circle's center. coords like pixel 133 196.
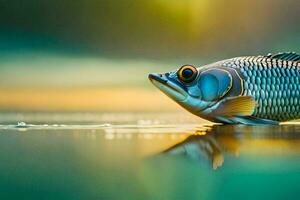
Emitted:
pixel 21 125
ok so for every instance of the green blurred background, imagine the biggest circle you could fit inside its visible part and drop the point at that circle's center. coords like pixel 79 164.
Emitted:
pixel 94 55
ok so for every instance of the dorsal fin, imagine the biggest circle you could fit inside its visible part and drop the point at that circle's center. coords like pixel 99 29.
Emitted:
pixel 288 56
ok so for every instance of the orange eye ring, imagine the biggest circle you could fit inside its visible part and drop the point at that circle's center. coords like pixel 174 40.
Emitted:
pixel 187 73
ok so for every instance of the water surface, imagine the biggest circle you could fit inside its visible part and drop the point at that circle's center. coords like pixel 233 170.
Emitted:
pixel 145 156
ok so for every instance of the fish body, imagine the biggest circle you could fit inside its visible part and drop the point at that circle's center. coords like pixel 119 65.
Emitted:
pixel 246 90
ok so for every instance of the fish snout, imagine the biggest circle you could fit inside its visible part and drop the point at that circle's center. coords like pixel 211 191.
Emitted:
pixel 157 77
pixel 167 86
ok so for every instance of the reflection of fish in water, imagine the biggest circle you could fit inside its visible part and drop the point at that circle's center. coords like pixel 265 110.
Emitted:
pixel 201 148
pixel 212 147
pixel 247 90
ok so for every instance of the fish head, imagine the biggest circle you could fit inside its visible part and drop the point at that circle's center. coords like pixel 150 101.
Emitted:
pixel 195 89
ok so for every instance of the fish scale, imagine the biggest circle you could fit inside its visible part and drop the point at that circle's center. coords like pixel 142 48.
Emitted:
pixel 274 84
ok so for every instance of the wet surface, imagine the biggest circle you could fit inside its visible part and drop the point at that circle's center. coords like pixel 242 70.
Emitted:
pixel 145 156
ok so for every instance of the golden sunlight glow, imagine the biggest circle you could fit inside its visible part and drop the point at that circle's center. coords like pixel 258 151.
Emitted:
pixel 197 14
pixel 85 99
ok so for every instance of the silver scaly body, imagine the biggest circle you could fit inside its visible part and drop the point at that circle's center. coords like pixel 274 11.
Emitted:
pixel 274 84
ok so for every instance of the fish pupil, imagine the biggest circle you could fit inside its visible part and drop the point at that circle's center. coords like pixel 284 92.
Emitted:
pixel 187 73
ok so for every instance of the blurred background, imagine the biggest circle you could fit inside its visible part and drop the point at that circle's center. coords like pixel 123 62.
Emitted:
pixel 94 55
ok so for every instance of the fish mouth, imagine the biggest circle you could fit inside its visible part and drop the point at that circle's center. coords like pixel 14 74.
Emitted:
pixel 171 89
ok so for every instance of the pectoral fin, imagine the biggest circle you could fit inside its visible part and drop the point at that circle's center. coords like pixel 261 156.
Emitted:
pixel 235 106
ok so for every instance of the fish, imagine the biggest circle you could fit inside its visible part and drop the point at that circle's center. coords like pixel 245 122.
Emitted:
pixel 250 90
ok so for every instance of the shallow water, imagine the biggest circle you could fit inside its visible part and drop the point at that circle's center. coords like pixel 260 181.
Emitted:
pixel 144 156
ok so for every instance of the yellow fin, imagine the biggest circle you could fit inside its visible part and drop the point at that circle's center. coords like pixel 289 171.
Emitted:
pixel 236 106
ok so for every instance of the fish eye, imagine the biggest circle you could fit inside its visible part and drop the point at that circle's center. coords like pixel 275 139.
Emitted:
pixel 187 73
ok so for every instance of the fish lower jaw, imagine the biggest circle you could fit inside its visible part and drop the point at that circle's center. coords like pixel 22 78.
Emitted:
pixel 170 90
